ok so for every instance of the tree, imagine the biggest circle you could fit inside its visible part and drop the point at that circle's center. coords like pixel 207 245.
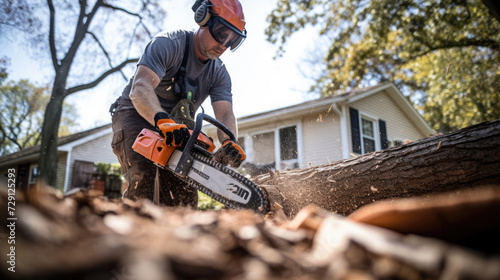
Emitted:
pixel 3 69
pixel 98 37
pixel 464 159
pixel 21 115
pixel 444 54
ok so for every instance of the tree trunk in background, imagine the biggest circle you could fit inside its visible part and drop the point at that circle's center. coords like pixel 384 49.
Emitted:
pixel 48 152
pixel 461 160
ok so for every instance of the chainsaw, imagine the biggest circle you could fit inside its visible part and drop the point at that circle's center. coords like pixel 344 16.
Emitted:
pixel 193 163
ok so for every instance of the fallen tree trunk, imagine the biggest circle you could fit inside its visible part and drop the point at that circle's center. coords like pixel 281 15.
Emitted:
pixel 461 160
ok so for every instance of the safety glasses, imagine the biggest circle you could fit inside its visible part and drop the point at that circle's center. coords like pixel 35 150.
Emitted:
pixel 225 33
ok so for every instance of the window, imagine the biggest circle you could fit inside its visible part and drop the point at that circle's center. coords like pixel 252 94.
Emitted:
pixel 34 172
pixel 368 135
pixel 263 147
pixel 279 148
pixel 288 148
pixel 288 143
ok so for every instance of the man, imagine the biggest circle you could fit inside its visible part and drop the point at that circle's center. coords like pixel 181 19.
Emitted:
pixel 175 74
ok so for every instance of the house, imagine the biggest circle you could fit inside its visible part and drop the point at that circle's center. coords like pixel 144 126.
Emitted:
pixel 77 155
pixel 329 129
pixel 308 134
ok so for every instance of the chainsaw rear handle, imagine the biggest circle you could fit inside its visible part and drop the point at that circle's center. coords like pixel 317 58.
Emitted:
pixel 186 160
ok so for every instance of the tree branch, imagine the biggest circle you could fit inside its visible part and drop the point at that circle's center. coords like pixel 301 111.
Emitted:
pixel 466 43
pixel 90 16
pixel 102 77
pixel 13 136
pixel 102 47
pixel 81 29
pixel 14 141
pixel 104 51
pixel 131 40
pixel 106 5
pixel 52 43
pixel 3 136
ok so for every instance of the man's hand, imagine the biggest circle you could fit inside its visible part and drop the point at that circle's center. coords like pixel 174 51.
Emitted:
pixel 230 153
pixel 174 134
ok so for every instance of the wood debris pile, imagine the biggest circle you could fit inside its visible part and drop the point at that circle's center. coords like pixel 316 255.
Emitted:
pixel 85 236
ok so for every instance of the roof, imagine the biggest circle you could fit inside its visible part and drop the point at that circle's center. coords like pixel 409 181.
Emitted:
pixel 339 96
pixel 64 144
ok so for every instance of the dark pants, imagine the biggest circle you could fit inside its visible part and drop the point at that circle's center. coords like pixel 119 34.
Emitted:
pixel 140 172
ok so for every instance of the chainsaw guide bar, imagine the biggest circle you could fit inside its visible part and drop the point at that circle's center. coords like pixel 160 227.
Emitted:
pixel 223 184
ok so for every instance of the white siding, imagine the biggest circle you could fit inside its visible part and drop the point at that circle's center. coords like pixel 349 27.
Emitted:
pixel 321 139
pixel 61 170
pixel 97 150
pixel 382 106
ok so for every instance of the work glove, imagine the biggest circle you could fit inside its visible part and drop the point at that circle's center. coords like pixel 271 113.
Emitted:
pixel 230 153
pixel 174 134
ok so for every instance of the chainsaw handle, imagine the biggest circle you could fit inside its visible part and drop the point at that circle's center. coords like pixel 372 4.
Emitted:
pixel 186 159
pixel 216 123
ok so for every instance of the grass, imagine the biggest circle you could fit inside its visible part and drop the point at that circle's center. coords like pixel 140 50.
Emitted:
pixel 207 203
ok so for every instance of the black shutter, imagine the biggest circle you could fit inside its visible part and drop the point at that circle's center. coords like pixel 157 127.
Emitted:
pixel 356 135
pixel 383 134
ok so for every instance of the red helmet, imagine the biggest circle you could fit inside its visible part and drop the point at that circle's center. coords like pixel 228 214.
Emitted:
pixel 225 20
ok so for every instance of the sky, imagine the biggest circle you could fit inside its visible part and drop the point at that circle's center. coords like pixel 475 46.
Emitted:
pixel 259 82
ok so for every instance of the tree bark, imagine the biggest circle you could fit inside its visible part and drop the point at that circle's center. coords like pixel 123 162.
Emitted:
pixel 461 160
pixel 48 150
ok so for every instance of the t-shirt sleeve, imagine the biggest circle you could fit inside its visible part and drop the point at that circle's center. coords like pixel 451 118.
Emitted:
pixel 158 55
pixel 221 89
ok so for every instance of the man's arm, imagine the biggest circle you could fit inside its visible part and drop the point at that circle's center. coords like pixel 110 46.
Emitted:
pixel 230 152
pixel 224 113
pixel 143 93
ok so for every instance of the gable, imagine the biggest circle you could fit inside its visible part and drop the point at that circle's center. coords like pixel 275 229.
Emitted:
pixel 383 106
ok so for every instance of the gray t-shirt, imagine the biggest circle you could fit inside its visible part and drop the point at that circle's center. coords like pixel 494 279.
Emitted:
pixel 164 55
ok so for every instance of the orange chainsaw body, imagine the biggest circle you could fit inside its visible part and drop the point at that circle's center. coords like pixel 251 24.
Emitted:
pixel 151 146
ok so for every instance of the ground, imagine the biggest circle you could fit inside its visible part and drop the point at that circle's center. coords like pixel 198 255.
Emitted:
pixel 86 236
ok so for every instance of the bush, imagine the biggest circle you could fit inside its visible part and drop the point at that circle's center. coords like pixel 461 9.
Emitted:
pixel 207 203
pixel 105 169
pixel 110 173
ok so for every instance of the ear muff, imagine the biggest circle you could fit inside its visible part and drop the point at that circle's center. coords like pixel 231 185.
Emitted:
pixel 201 12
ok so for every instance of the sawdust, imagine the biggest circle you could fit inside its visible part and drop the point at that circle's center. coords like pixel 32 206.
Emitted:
pixel 86 236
